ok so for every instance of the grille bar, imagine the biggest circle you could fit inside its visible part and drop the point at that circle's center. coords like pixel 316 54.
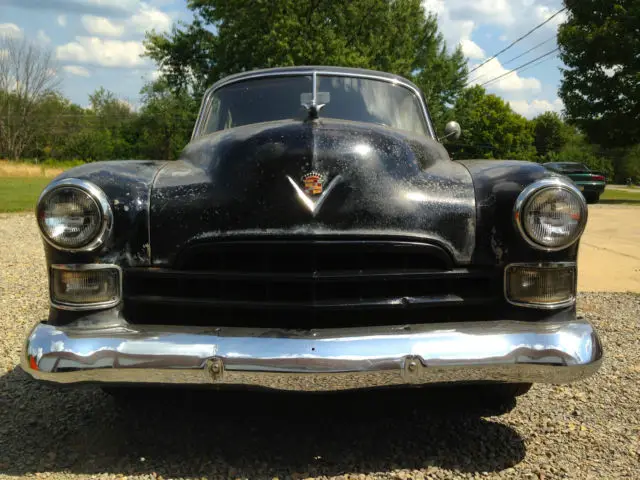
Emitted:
pixel 401 302
pixel 280 256
pixel 355 276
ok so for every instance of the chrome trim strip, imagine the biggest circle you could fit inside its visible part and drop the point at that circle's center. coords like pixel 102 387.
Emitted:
pixel 560 349
pixel 543 306
pixel 79 268
pixel 535 187
pixel 97 195
pixel 206 99
pixel 149 196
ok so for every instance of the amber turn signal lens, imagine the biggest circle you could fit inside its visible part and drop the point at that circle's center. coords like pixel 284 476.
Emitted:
pixel 545 285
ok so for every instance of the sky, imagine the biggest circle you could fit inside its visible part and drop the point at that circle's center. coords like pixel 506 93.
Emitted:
pixel 99 43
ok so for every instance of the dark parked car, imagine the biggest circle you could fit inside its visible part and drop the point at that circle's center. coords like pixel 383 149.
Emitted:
pixel 314 235
pixel 591 184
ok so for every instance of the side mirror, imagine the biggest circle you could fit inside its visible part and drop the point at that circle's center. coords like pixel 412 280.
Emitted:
pixel 452 130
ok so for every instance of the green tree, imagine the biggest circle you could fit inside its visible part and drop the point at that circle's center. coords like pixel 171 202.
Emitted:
pixel 229 36
pixel 89 145
pixel 27 76
pixel 629 165
pixel 490 129
pixel 165 121
pixel 599 44
pixel 53 119
pixel 550 133
pixel 115 116
pixel 578 149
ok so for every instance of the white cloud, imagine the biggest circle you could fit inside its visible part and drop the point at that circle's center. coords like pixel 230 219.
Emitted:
pixel 459 19
pixel 107 53
pixel 509 83
pixel 471 49
pixel 150 18
pixel 101 26
pixel 536 107
pixel 119 4
pixel 97 7
pixel 128 104
pixel 76 70
pixel 143 19
pixel 497 12
pixel 161 3
pixel 544 12
pixel 43 37
pixel 62 20
pixel 10 30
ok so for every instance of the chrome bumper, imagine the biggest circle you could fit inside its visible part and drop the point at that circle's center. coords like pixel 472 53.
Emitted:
pixel 555 351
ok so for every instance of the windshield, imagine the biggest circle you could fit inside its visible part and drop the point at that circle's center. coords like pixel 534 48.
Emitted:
pixel 347 98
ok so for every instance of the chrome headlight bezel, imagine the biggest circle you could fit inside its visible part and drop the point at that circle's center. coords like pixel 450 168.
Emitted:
pixel 97 195
pixel 537 187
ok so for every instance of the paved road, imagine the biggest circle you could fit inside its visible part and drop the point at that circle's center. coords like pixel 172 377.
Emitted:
pixel 609 258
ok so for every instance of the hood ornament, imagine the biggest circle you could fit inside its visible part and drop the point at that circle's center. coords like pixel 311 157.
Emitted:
pixel 313 194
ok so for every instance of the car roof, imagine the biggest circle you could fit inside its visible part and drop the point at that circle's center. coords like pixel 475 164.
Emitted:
pixel 309 69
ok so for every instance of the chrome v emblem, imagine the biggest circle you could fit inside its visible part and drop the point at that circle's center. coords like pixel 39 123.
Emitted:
pixel 314 205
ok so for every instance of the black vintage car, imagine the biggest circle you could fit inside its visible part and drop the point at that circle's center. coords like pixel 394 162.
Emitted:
pixel 314 235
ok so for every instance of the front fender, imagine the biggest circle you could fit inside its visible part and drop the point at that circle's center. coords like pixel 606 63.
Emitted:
pixel 497 184
pixel 127 184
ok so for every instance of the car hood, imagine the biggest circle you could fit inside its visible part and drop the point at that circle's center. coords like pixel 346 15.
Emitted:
pixel 249 182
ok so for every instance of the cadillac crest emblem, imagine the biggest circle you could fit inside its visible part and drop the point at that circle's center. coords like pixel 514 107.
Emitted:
pixel 313 182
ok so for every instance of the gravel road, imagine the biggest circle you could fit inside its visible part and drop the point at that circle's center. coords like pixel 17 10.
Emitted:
pixel 587 430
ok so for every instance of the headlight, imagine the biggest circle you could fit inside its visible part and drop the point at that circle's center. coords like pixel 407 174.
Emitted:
pixel 550 214
pixel 74 215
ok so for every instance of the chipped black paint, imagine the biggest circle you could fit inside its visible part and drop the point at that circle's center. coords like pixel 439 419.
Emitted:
pixel 235 183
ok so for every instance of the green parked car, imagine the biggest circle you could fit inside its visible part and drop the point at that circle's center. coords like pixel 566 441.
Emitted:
pixel 590 183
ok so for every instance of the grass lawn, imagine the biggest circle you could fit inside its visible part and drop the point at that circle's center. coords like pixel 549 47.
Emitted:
pixel 620 196
pixel 20 193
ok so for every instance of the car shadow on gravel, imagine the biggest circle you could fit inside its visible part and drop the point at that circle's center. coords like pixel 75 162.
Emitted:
pixel 244 434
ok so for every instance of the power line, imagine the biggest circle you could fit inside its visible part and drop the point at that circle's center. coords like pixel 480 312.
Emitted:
pixel 531 49
pixel 519 39
pixel 513 59
pixel 536 64
pixel 519 67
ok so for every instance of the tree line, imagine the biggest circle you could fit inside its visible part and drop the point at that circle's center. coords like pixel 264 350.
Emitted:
pixel 390 35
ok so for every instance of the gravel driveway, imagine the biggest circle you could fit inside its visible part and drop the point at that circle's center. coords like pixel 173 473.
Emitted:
pixel 587 430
